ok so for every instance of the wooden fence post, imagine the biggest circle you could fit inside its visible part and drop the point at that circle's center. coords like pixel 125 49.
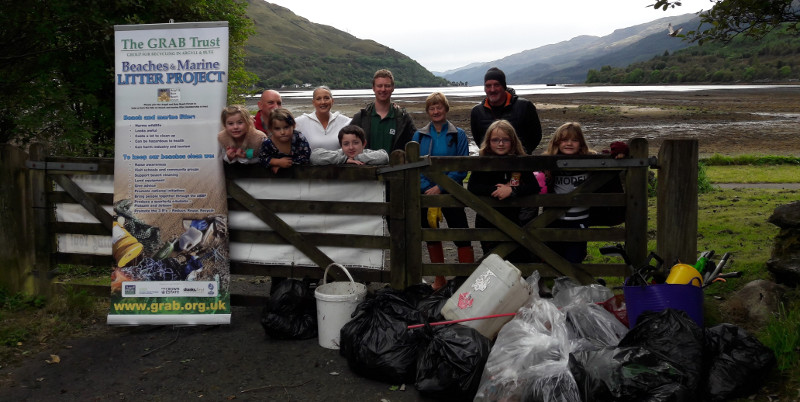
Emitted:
pixel 413 217
pixel 636 210
pixel 43 241
pixel 676 204
pixel 16 237
pixel 397 230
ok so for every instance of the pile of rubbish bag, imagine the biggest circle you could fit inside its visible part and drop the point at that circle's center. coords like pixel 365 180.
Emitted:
pixel 565 348
pixel 573 346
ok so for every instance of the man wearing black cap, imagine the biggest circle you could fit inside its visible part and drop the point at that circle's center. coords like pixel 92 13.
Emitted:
pixel 502 103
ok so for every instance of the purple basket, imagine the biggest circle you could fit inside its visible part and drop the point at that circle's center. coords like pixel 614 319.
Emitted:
pixel 688 298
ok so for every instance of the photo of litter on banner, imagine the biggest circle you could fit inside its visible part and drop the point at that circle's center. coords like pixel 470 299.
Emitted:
pixel 170 235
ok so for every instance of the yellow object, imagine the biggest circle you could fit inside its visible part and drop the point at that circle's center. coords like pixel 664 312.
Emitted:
pixel 434 217
pixel 128 254
pixel 682 274
pixel 124 248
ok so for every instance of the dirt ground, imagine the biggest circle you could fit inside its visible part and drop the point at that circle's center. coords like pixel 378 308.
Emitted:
pixel 237 361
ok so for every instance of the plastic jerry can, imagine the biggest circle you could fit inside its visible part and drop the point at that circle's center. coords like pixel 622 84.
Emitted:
pixel 495 287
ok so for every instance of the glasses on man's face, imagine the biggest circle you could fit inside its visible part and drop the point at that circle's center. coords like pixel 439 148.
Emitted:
pixel 500 140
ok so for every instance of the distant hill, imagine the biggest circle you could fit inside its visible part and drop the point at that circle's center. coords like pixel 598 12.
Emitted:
pixel 773 58
pixel 569 61
pixel 289 50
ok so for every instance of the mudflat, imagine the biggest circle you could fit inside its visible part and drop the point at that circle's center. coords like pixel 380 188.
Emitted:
pixel 724 121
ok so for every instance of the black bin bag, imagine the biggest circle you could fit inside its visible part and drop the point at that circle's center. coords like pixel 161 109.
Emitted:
pixel 291 312
pixel 450 365
pixel 627 374
pixel 431 305
pixel 738 364
pixel 377 342
pixel 660 359
pixel 674 335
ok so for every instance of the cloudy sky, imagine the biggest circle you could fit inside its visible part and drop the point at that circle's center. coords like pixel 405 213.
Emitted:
pixel 443 35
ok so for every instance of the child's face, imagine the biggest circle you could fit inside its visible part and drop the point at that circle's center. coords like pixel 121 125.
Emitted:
pixel 235 126
pixel 281 131
pixel 352 145
pixel 569 146
pixel 499 142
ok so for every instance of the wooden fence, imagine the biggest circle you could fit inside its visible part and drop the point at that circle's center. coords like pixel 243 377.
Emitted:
pixel 30 257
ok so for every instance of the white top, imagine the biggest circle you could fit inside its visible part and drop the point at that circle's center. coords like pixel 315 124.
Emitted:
pixel 319 137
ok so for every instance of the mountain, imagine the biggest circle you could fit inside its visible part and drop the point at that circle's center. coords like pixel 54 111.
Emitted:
pixel 289 50
pixel 569 61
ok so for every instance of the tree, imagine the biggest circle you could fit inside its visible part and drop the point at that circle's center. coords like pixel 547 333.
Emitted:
pixel 730 18
pixel 57 65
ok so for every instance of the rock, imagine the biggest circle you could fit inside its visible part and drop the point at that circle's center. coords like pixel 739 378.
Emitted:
pixel 784 263
pixel 753 305
pixel 786 216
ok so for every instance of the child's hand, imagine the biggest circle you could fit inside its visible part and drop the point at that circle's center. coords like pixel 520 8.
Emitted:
pixel 285 162
pixel 353 161
pixel 502 192
pixel 230 152
pixel 435 190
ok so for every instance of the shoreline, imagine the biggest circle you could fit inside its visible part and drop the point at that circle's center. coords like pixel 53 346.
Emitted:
pixel 724 121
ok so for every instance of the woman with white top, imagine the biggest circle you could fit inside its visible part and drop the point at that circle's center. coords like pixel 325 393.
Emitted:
pixel 321 127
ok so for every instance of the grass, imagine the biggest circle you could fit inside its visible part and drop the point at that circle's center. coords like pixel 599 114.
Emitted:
pixel 31 324
pixel 753 173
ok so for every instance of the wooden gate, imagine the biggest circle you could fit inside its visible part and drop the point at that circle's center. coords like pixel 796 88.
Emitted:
pixel 402 211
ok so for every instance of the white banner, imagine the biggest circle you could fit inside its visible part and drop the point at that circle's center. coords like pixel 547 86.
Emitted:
pixel 169 186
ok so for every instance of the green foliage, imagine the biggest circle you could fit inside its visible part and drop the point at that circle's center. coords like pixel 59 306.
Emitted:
pixel 288 50
pixel 775 57
pixel 703 183
pixel 730 18
pixel 79 302
pixel 782 335
pixel 758 160
pixel 19 301
pixel 57 75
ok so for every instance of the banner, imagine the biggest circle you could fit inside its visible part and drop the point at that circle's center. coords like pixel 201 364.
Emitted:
pixel 170 238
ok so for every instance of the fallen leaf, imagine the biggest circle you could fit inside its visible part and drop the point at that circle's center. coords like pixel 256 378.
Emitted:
pixel 394 388
pixel 334 373
pixel 40 379
pixel 54 359
pixel 402 387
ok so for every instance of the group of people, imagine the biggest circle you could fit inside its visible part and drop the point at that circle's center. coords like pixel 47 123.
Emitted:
pixel 503 124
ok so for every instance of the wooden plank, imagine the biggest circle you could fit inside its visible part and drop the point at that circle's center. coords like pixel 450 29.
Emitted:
pixel 541 200
pixel 92 260
pixel 318 207
pixel 338 172
pixel 319 239
pixel 96 229
pixel 61 197
pixel 44 243
pixel 277 224
pixel 82 198
pixel 545 270
pixel 105 165
pixel 551 234
pixel 636 208
pixel 676 217
pixel 397 229
pixel 290 271
pixel 413 217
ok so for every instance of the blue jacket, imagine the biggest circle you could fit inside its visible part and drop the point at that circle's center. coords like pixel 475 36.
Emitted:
pixel 459 147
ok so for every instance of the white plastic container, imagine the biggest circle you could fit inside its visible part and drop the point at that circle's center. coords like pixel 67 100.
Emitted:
pixel 336 302
pixel 496 287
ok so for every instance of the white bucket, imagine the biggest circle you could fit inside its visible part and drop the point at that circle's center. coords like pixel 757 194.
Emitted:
pixel 336 302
